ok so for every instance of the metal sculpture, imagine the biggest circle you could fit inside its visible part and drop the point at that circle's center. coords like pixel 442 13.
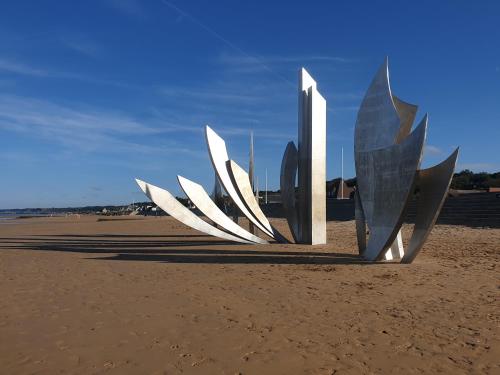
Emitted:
pixel 433 184
pixel 306 213
pixel 287 186
pixel 241 182
pixel 387 158
pixel 200 198
pixel 168 203
pixel 251 227
pixel 219 157
pixel 236 183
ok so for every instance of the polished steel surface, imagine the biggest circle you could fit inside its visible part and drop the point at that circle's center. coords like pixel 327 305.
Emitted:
pixel 168 203
pixel 218 155
pixel 396 250
pixel 387 157
pixel 251 227
pixel 199 197
pixel 241 182
pixel 385 179
pixel 359 215
pixel 433 184
pixel 287 188
pixel 378 123
pixel 406 113
pixel 311 201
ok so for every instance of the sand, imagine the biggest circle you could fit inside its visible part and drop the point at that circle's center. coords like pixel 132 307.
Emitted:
pixel 150 296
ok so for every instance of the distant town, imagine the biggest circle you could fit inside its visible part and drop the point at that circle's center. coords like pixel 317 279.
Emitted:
pixel 464 182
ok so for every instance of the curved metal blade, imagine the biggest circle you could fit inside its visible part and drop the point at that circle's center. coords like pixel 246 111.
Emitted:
pixel 386 178
pixel 219 157
pixel 197 194
pixel 168 203
pixel 433 184
pixel 378 122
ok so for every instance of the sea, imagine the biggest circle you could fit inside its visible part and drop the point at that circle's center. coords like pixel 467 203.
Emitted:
pixel 6 217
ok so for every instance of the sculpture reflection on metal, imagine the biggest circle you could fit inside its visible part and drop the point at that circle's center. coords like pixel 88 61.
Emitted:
pixel 387 157
pixel 287 187
pixel 306 213
pixel 360 223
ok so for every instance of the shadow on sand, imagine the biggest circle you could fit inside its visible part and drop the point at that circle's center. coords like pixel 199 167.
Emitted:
pixel 141 248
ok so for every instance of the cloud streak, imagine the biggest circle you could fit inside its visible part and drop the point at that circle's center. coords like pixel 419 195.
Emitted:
pixel 128 7
pixel 247 64
pixel 228 59
pixel 17 67
pixel 86 129
pixel 82 46
pixel 432 150
pixel 210 95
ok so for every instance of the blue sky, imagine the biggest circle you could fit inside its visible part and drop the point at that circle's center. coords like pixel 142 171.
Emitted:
pixel 95 93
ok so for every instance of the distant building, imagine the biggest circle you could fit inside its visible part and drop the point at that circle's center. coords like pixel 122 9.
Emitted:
pixel 334 189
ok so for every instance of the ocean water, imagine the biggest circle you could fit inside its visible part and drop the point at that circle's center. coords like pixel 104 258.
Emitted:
pixel 7 216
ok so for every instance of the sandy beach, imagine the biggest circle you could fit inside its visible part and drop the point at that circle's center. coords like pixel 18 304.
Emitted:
pixel 151 296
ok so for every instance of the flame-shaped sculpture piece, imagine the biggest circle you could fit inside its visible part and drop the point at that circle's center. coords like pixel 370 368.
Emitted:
pixel 387 156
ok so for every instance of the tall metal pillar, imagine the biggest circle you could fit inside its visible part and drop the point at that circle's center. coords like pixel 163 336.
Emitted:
pixel 311 200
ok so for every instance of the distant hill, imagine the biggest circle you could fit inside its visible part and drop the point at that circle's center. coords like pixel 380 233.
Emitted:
pixel 464 180
pixel 468 180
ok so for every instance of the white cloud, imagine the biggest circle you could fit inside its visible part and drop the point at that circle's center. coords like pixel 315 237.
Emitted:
pixel 233 107
pixel 17 67
pixel 210 94
pixel 81 45
pixel 247 64
pixel 87 129
pixel 130 7
pixel 251 60
pixel 432 150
